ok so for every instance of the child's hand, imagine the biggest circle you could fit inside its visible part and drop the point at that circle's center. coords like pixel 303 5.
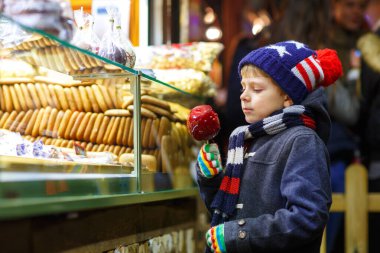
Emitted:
pixel 209 160
pixel 215 239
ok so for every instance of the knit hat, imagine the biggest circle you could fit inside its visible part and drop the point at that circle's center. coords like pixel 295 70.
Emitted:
pixel 296 68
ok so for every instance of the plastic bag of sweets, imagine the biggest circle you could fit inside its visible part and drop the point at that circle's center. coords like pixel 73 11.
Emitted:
pixel 122 39
pixel 110 47
pixel 85 36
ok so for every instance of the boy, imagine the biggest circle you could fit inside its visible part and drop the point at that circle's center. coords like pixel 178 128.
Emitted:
pixel 274 195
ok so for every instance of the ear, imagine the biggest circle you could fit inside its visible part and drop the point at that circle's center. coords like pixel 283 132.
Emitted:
pixel 287 101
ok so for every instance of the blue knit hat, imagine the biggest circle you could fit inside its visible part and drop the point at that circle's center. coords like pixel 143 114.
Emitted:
pixel 296 68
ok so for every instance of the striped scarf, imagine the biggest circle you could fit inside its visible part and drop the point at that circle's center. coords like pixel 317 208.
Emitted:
pixel 226 198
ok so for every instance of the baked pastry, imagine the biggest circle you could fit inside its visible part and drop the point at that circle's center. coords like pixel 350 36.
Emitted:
pixel 147 161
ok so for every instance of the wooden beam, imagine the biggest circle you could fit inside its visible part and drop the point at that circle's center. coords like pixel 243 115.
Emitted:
pixel 338 203
pixel 356 221
pixel 374 202
pixel 323 243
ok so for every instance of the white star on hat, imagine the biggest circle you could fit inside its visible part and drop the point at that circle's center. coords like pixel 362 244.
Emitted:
pixel 298 44
pixel 281 50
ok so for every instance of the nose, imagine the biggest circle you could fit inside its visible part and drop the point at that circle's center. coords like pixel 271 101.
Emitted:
pixel 244 96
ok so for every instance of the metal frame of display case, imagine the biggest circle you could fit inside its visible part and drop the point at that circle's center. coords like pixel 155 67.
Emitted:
pixel 25 207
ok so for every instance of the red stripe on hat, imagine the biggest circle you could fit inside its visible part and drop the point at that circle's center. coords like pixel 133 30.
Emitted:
pixel 305 76
pixel 314 69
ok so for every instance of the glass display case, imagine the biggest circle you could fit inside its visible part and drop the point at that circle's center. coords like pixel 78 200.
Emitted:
pixel 79 131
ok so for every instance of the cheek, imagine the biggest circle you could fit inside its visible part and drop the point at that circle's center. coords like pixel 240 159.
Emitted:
pixel 269 105
pixel 263 101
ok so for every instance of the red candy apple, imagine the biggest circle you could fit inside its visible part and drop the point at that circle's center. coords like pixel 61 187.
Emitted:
pixel 203 123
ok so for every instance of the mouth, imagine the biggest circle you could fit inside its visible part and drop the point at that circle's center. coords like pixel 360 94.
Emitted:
pixel 246 110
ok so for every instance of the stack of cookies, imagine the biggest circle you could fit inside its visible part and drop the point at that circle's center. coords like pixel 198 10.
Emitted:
pixel 43 52
pixel 95 116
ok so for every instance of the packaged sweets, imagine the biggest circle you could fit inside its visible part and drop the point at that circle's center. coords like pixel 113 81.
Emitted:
pixel 85 37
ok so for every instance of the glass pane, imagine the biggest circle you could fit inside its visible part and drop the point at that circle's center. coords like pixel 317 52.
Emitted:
pixel 63 126
pixel 58 101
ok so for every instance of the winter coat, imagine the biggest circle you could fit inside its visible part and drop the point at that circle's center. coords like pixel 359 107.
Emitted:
pixel 285 192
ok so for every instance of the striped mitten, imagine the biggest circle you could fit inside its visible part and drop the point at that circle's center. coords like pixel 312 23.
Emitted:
pixel 215 239
pixel 209 160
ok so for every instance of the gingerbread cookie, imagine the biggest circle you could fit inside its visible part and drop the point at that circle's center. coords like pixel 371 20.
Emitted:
pixel 77 123
pixel 2 99
pixel 121 130
pixel 127 128
pixel 97 125
pixel 114 131
pixel 24 122
pixel 7 99
pixel 70 99
pixel 44 121
pixel 20 97
pixel 77 98
pixel 89 127
pixel 31 123
pixel 98 96
pixel 82 127
pixel 57 123
pixel 102 130
pixel 36 127
pixel 64 122
pixel 27 98
pixel 17 121
pixel 146 99
pixel 85 100
pixel 91 97
pixel 51 121
pixel 108 130
pixel 70 124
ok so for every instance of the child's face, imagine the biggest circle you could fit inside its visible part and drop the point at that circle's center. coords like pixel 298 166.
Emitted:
pixel 261 96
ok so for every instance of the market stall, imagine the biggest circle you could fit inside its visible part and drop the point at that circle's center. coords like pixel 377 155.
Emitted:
pixel 94 151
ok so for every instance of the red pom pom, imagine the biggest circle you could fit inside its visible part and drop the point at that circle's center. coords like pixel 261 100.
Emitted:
pixel 331 66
